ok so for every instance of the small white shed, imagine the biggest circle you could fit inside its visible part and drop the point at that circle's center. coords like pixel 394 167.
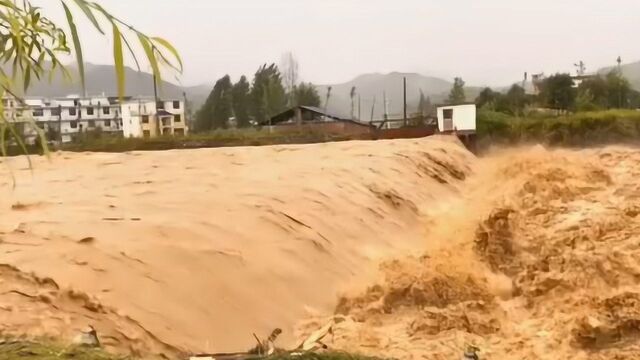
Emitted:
pixel 457 117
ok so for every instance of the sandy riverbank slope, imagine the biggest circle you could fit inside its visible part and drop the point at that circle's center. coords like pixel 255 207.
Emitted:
pixel 179 251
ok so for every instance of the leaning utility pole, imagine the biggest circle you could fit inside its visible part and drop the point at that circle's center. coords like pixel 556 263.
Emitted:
pixel 405 99
pixel 384 100
pixel 60 124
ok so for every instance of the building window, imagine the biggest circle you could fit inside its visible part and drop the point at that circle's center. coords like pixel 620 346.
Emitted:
pixel 107 123
pixel 106 110
pixel 177 118
pixel 73 124
pixel 145 119
pixel 176 104
pixel 91 123
pixel 73 112
pixel 160 105
pixel 76 102
pixel 90 111
pixel 38 112
pixel 55 111
pixel 146 133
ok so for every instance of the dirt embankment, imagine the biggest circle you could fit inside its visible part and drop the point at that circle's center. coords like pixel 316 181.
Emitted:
pixel 192 251
pixel 539 259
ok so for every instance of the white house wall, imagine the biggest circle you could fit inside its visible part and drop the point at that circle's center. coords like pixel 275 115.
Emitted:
pixel 464 116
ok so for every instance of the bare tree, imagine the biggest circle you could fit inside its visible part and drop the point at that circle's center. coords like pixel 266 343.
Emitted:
pixel 290 73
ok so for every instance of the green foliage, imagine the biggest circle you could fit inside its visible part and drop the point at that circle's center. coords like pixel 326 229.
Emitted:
pixel 579 129
pixel 268 96
pixel 593 94
pixel 425 107
pixel 216 138
pixel 241 102
pixel 457 96
pixel 12 350
pixel 223 107
pixel 335 355
pixel 512 103
pixel 619 90
pixel 306 94
pixel 487 99
pixel 218 108
pixel 557 92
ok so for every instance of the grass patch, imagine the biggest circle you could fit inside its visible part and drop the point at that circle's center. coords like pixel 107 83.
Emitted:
pixel 324 356
pixel 579 129
pixel 220 138
pixel 10 350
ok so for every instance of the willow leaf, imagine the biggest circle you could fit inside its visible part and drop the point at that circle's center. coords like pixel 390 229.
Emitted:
pixel 76 45
pixel 167 45
pixel 153 61
pixel 119 60
pixel 89 13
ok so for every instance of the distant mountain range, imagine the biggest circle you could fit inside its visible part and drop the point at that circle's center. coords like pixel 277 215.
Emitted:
pixel 370 87
pixel 100 79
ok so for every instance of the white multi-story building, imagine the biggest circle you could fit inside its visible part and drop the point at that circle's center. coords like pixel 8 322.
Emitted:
pixel 63 119
pixel 148 118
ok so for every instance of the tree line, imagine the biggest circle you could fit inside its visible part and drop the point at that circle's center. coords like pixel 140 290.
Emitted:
pixel 559 92
pixel 270 92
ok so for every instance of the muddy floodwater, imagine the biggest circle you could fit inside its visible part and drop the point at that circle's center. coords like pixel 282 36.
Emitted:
pixel 413 248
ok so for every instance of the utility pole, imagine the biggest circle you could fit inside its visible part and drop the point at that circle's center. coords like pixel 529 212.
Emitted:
pixel 405 99
pixel 156 118
pixel 619 61
pixel 60 124
pixel 359 106
pixel 186 109
pixel 384 100
pixel 373 107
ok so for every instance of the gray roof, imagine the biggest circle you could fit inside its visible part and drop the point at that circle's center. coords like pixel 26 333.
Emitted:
pixel 290 113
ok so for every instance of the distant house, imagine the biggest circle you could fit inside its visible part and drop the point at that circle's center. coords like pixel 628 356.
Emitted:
pixel 148 118
pixel 310 118
pixel 578 79
pixel 460 118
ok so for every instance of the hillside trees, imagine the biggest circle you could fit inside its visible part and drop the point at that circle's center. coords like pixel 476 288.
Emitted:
pixel 255 102
pixel 457 96
pixel 305 94
pixel 218 108
pixel 557 92
pixel 241 102
pixel 268 96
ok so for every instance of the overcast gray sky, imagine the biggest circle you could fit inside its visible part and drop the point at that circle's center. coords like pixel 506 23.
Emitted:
pixel 487 42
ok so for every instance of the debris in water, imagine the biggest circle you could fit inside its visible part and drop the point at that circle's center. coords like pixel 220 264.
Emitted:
pixel 88 337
